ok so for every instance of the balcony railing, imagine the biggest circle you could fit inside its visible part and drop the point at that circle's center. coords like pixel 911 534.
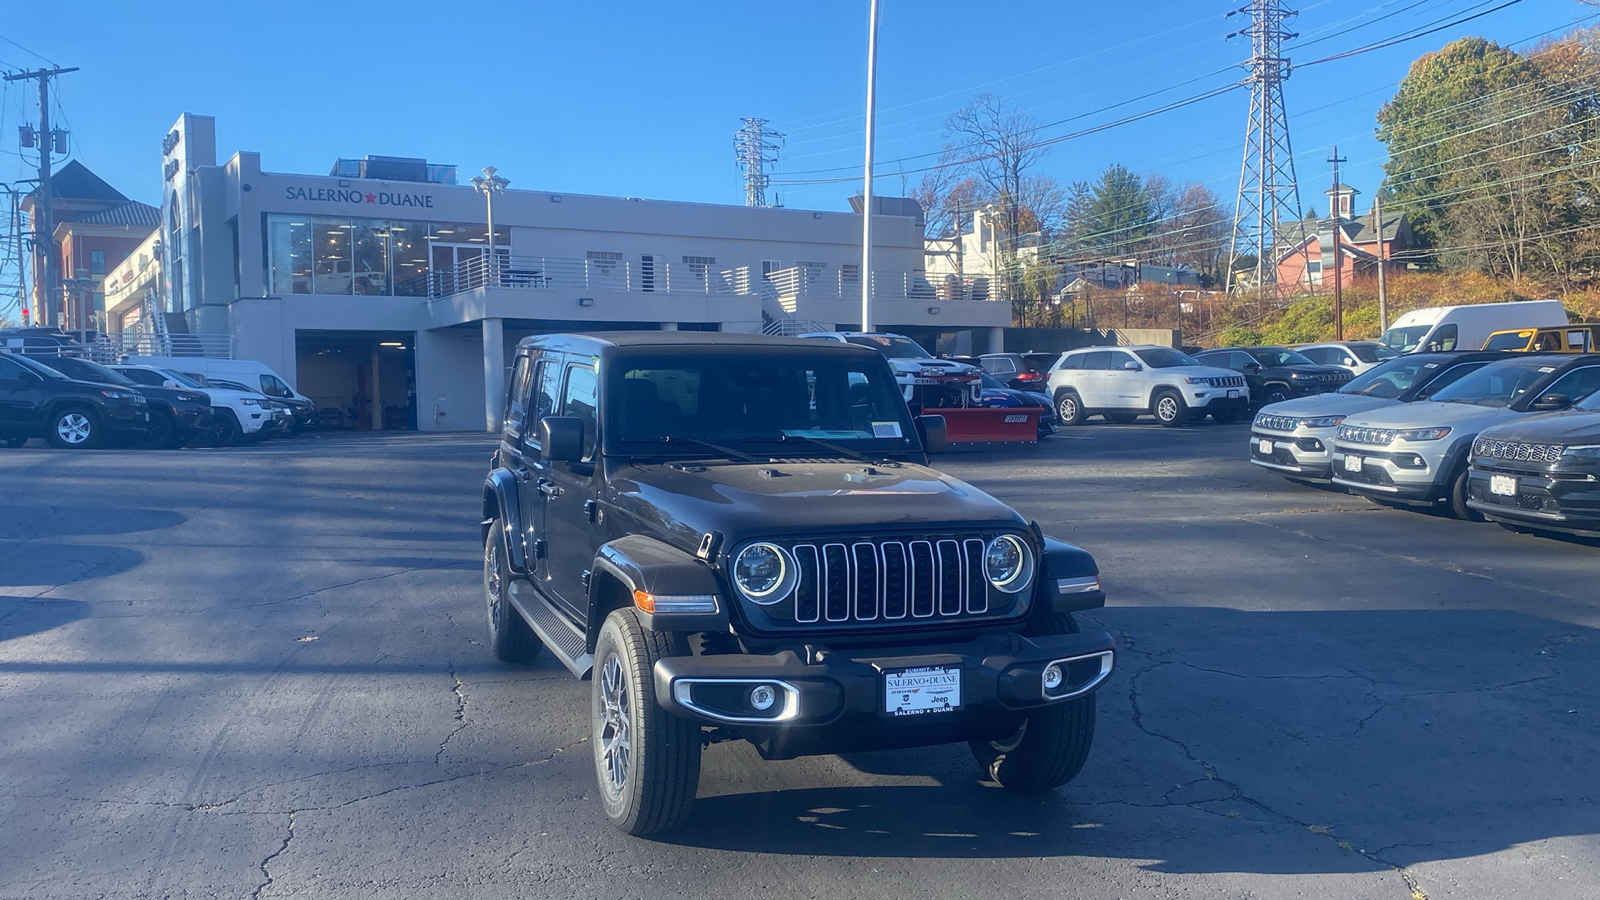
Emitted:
pixel 790 286
pixel 558 273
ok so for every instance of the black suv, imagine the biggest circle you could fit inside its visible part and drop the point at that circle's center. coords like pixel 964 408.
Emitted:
pixel 1276 374
pixel 37 401
pixel 1541 472
pixel 178 416
pixel 739 538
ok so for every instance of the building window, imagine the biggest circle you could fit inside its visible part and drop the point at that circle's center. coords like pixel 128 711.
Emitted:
pixel 370 258
pixel 1314 267
pixel 408 251
pixel 330 244
pixel 605 270
pixel 699 266
pixel 850 273
pixel 97 262
pixel 289 241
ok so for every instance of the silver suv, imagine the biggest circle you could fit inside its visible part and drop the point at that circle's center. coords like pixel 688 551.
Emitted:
pixel 1417 453
pixel 1121 383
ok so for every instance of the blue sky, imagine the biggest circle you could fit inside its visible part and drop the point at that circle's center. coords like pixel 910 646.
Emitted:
pixel 642 99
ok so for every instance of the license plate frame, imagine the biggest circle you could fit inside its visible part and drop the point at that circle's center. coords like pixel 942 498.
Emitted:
pixel 1352 462
pixel 1233 395
pixel 921 690
pixel 1503 485
pixel 1264 446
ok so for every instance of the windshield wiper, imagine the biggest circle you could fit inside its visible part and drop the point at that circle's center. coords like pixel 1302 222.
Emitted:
pixel 670 439
pixel 830 445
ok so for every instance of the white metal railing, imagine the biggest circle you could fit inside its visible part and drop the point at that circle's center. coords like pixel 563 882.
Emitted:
pixel 565 273
pixel 787 286
pixel 163 343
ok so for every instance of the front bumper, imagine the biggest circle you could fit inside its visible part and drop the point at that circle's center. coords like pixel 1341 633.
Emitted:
pixel 1570 504
pixel 835 701
pixel 1412 472
pixel 1210 399
pixel 1305 453
pixel 126 419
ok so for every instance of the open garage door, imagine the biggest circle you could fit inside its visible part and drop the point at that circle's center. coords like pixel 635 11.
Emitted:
pixel 364 380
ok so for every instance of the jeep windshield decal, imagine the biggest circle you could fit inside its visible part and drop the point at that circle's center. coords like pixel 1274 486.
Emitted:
pixel 847 405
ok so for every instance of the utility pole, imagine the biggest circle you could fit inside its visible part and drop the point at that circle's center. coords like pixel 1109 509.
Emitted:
pixel 48 281
pixel 1338 262
pixel 754 149
pixel 1269 196
pixel 866 190
pixel 1383 261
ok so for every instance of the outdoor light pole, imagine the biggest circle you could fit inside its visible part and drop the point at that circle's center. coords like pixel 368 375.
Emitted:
pixel 866 191
pixel 489 184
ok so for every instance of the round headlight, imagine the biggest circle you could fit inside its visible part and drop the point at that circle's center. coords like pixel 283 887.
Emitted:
pixel 1008 563
pixel 763 572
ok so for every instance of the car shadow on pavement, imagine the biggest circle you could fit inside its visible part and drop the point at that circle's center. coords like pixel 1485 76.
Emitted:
pixel 18 522
pixel 22 616
pixel 61 564
pixel 1281 742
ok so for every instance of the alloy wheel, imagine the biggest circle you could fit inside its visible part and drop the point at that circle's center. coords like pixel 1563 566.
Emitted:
pixel 1167 408
pixel 616 738
pixel 492 584
pixel 74 428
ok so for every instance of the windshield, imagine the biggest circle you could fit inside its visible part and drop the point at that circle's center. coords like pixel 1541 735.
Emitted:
pixel 1405 340
pixel 84 370
pixel 1162 358
pixel 1395 377
pixel 1511 340
pixel 1498 384
pixel 1279 356
pixel 992 383
pixel 892 346
pixel 1589 403
pixel 1371 353
pixel 742 400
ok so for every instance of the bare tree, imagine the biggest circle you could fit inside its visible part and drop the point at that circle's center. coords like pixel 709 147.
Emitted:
pixel 998 146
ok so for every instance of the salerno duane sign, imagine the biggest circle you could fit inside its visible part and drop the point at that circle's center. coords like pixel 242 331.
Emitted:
pixel 356 195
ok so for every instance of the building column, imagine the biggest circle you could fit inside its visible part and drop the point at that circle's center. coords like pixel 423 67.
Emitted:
pixel 997 340
pixel 377 395
pixel 494 374
pixel 669 326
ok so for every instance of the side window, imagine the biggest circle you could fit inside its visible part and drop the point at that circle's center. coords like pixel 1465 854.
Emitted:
pixel 1238 359
pixel 548 381
pixel 1450 375
pixel 1323 355
pixel 1001 365
pixel 1577 384
pixel 1445 336
pixel 141 376
pixel 1070 361
pixel 579 402
pixel 10 371
pixel 517 396
pixel 1578 340
pixel 1100 359
pixel 272 387
pixel 1120 360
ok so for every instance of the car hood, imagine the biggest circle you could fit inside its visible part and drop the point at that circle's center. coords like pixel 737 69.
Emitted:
pixel 903 364
pixel 1197 372
pixel 1326 405
pixel 681 501
pixel 1567 428
pixel 1307 370
pixel 1463 417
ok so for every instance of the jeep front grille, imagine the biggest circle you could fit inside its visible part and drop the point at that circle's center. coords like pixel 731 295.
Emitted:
pixel 889 582
pixel 1512 451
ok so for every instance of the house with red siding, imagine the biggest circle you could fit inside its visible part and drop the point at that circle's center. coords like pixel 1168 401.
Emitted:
pixel 1305 252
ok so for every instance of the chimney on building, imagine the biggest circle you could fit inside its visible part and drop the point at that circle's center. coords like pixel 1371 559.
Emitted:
pixel 1342 201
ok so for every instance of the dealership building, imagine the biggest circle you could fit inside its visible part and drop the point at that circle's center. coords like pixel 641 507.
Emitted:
pixel 374 291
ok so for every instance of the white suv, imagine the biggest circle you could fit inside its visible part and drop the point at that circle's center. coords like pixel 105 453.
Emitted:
pixel 240 415
pixel 1121 383
pixel 913 366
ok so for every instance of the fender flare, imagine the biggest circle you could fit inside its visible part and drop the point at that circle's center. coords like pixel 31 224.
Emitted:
pixel 640 563
pixel 500 500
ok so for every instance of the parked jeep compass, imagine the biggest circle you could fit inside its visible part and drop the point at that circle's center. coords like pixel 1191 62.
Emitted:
pixel 1541 472
pixel 738 537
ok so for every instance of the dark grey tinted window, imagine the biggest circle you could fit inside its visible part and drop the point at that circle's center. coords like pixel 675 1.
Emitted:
pixel 579 402
pixel 1577 383
pixel 1097 360
pixel 9 369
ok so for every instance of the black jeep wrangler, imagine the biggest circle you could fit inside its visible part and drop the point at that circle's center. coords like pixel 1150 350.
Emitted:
pixel 738 537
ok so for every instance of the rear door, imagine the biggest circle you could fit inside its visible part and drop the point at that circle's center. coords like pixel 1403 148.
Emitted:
pixel 1092 385
pixel 1124 385
pixel 20 397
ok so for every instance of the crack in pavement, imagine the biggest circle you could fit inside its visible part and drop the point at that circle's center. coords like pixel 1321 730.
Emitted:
pixel 461 712
pixel 265 873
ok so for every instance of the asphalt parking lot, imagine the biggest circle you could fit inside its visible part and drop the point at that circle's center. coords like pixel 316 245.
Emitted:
pixel 260 672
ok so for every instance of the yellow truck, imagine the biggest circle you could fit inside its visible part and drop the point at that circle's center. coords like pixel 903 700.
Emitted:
pixel 1566 339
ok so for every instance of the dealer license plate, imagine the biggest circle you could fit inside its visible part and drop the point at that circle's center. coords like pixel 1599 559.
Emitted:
pixel 1265 446
pixel 915 692
pixel 1504 485
pixel 1233 395
pixel 1352 463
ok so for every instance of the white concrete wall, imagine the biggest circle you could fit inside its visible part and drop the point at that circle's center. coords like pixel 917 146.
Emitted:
pixel 450 380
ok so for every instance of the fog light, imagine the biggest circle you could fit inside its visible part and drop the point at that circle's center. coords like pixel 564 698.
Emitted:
pixel 762 697
pixel 1052 678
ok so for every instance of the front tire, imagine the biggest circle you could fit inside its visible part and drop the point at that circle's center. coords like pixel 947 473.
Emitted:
pixel 646 759
pixel 1274 393
pixel 1169 409
pixel 226 432
pixel 510 636
pixel 74 428
pixel 1225 416
pixel 1458 499
pixel 1052 744
pixel 1069 409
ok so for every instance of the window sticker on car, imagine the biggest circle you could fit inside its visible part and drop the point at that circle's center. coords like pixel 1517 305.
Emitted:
pixel 886 429
pixel 1430 365
pixel 1547 369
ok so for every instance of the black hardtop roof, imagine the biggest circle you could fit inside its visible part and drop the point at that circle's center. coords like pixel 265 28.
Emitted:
pixel 696 341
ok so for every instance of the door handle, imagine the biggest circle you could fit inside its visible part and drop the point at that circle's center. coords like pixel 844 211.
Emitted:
pixel 549 488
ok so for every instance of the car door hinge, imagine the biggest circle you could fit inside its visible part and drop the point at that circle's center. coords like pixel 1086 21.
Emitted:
pixel 589 509
pixel 538 549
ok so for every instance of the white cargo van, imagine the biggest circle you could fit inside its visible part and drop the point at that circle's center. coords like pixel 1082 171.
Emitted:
pixel 1467 327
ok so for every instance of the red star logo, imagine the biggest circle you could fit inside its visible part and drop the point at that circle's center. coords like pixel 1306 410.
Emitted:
pixel 372 198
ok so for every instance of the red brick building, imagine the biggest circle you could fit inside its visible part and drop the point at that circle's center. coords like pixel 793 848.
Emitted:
pixel 95 228
pixel 1362 243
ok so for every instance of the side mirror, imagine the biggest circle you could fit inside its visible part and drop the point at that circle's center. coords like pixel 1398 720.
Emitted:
pixel 1132 366
pixel 1348 362
pixel 1252 367
pixel 561 438
pixel 1551 403
pixel 932 431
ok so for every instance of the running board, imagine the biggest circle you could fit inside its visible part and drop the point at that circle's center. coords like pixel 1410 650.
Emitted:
pixel 563 638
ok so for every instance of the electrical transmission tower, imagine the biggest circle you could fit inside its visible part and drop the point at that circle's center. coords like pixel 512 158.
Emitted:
pixel 755 148
pixel 1266 215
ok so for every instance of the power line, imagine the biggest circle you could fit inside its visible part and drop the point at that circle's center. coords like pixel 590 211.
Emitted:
pixel 26 50
pixel 1408 37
